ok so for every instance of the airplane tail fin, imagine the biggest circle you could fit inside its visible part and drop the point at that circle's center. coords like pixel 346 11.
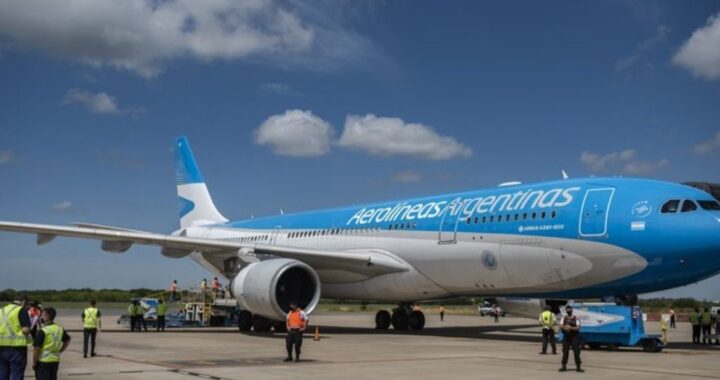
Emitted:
pixel 194 201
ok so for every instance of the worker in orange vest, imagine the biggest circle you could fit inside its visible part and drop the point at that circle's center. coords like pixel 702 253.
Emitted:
pixel 296 323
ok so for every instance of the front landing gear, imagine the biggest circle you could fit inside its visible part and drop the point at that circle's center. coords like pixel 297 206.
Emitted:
pixel 402 318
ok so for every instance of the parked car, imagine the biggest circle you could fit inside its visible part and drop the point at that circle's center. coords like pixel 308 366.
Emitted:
pixel 486 308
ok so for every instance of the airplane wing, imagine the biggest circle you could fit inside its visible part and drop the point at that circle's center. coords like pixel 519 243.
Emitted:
pixel 114 239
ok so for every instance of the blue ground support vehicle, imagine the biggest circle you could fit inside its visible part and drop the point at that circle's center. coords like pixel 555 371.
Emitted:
pixel 610 325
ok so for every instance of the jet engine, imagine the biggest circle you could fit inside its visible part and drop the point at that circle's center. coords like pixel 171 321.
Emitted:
pixel 268 287
pixel 528 307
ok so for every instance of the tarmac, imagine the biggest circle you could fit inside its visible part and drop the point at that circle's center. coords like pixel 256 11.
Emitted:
pixel 461 347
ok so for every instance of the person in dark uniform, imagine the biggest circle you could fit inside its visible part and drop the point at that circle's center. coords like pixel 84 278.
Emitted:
pixel 296 322
pixel 570 326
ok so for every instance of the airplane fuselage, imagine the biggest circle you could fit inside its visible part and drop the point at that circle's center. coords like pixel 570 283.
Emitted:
pixel 575 238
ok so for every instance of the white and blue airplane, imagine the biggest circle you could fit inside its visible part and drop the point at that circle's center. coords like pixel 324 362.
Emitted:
pixel 571 238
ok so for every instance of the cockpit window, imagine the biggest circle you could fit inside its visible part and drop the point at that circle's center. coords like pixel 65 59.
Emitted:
pixel 670 206
pixel 709 205
pixel 688 205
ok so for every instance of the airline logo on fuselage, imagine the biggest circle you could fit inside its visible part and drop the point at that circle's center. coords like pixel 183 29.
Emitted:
pixel 517 201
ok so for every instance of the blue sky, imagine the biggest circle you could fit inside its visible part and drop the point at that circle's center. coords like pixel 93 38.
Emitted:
pixel 299 105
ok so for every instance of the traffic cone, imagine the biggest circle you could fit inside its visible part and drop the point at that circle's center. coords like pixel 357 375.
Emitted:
pixel 316 336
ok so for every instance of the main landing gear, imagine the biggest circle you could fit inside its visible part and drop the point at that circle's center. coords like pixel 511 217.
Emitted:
pixel 402 318
pixel 247 321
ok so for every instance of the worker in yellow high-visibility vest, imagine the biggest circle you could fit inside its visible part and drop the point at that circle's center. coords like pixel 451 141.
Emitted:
pixel 14 338
pixel 161 311
pixel 91 325
pixel 50 341
pixel 548 321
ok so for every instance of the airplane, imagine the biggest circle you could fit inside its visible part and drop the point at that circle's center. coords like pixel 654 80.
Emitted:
pixel 567 239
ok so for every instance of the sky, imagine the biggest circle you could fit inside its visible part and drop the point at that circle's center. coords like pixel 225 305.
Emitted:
pixel 295 105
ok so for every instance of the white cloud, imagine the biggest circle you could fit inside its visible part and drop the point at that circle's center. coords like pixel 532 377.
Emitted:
pixel 623 161
pixel 407 176
pixel 296 133
pixel 142 35
pixel 701 52
pixel 6 156
pixel 63 206
pixel 707 146
pixel 100 102
pixel 644 167
pixel 389 136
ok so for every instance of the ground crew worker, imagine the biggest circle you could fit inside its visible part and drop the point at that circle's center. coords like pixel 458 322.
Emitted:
pixel 706 324
pixel 717 327
pixel 161 311
pixel 296 322
pixel 664 322
pixel 570 326
pixel 131 315
pixel 442 312
pixel 14 331
pixel 91 325
pixel 548 321
pixel 695 322
pixel 50 341
pixel 140 316
pixel 215 287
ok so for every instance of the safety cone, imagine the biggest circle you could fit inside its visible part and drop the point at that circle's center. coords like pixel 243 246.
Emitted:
pixel 316 336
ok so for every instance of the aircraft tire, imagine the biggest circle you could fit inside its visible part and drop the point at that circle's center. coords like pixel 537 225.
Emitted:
pixel 382 320
pixel 245 320
pixel 399 320
pixel 261 324
pixel 279 326
pixel 416 320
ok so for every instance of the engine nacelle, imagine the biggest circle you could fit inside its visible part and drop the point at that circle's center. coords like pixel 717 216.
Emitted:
pixel 268 287
pixel 528 307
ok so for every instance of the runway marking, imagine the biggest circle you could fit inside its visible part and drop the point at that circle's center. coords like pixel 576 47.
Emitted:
pixel 196 374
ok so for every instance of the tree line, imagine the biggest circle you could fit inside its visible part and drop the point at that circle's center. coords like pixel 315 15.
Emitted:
pixel 79 295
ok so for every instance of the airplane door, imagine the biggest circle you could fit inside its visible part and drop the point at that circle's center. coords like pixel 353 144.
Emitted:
pixel 448 224
pixel 595 212
pixel 273 237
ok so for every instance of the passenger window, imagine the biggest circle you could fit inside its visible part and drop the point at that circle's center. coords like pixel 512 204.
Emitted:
pixel 507 217
pixel 710 205
pixel 492 218
pixel 553 214
pixel 534 215
pixel 670 206
pixel 476 220
pixel 542 215
pixel 688 205
pixel 516 217
pixel 484 219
